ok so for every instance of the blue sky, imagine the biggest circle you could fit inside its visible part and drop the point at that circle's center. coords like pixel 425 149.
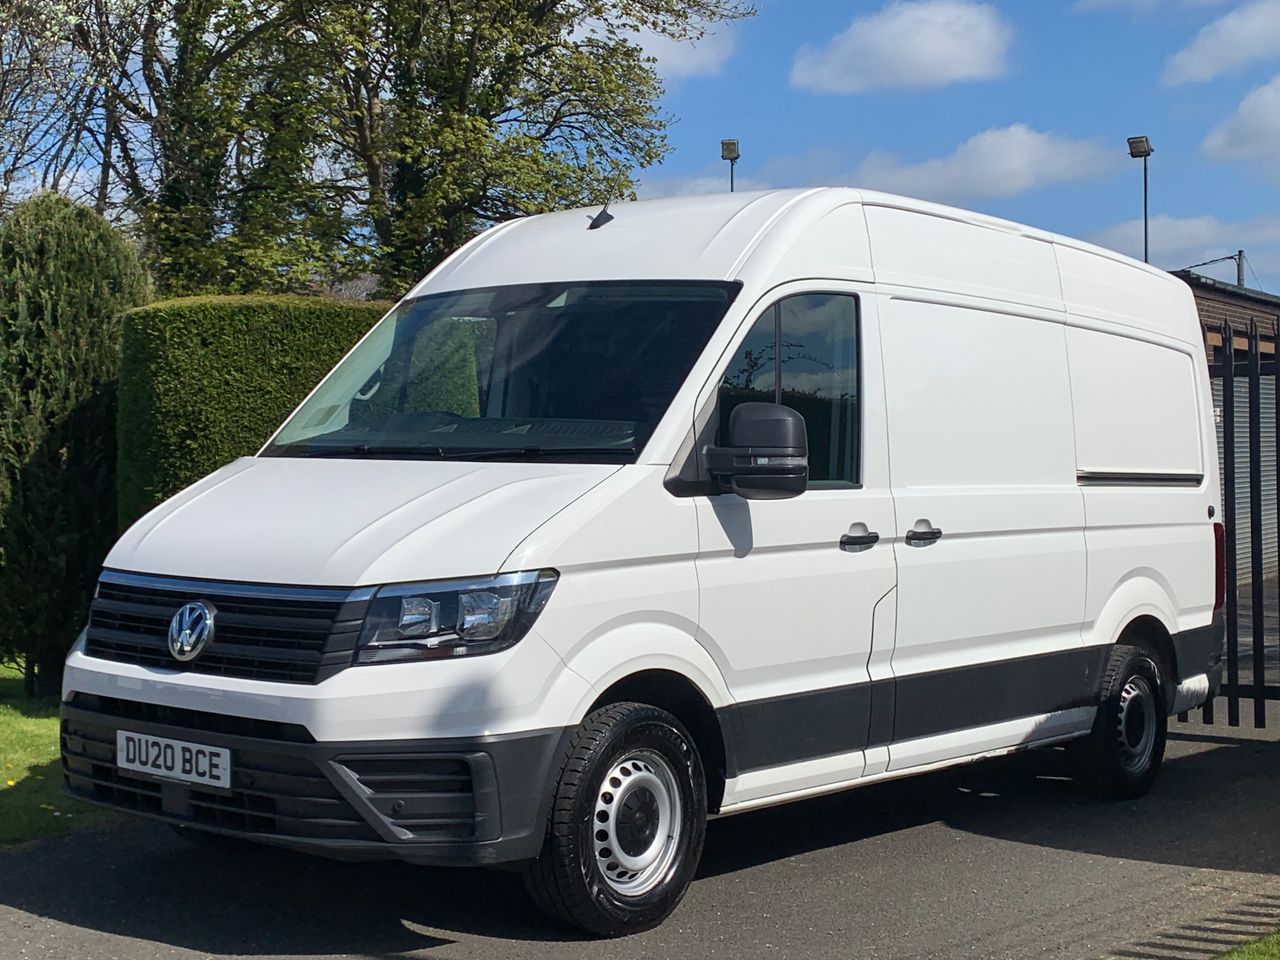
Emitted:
pixel 1019 108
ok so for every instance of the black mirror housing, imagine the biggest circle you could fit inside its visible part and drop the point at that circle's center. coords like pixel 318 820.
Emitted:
pixel 768 453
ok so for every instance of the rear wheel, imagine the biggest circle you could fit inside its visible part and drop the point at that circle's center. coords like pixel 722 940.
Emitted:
pixel 1125 750
pixel 627 823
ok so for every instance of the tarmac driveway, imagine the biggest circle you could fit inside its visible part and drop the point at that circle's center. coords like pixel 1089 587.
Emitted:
pixel 1003 859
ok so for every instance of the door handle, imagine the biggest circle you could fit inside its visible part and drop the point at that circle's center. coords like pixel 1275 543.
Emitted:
pixel 923 538
pixel 856 544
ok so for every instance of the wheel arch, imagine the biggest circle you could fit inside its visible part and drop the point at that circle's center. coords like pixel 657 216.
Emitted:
pixel 1141 608
pixel 667 668
pixel 1140 595
pixel 680 697
pixel 1147 629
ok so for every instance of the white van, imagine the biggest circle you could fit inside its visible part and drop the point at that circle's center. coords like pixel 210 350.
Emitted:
pixel 622 520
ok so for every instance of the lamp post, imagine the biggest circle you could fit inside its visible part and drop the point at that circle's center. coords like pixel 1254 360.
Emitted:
pixel 729 151
pixel 1140 149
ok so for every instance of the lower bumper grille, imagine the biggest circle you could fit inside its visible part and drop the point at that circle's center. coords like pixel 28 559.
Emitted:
pixel 424 798
pixel 431 801
pixel 273 793
pixel 196 721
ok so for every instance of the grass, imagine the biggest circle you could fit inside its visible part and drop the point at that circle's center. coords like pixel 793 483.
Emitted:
pixel 32 805
pixel 1268 948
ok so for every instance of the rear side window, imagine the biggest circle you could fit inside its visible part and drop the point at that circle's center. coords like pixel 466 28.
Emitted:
pixel 803 352
pixel 1135 406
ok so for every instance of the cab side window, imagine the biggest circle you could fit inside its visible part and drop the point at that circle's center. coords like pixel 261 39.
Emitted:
pixel 803 352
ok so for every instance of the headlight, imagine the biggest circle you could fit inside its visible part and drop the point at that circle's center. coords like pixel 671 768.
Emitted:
pixel 452 618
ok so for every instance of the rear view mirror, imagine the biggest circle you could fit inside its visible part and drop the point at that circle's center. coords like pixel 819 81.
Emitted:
pixel 768 453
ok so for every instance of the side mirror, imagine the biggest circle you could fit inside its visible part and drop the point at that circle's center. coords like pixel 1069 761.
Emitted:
pixel 768 453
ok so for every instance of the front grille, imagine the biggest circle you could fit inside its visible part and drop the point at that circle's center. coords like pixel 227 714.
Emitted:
pixel 274 793
pixel 195 720
pixel 280 633
pixel 424 797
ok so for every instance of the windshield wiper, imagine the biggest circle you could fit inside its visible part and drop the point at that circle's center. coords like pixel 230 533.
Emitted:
pixel 356 450
pixel 337 451
pixel 534 453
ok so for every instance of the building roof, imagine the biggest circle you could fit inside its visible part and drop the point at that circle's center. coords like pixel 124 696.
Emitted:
pixel 1202 284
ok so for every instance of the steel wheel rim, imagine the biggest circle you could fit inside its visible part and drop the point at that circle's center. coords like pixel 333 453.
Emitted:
pixel 1137 724
pixel 636 824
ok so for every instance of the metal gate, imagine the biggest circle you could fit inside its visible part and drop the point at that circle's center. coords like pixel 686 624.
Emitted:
pixel 1247 410
pixel 1267 439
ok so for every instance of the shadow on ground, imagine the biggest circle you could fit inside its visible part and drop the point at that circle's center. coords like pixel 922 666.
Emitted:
pixel 1214 807
pixel 1218 934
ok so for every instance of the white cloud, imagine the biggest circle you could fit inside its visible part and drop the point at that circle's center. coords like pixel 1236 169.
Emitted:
pixel 1247 34
pixel 1002 162
pixel 709 181
pixel 678 59
pixel 1252 133
pixel 1178 242
pixel 1143 5
pixel 909 43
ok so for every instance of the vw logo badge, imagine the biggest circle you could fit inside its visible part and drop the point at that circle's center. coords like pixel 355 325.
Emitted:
pixel 190 630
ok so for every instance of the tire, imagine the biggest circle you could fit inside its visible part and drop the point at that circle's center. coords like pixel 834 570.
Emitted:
pixel 627 823
pixel 1126 748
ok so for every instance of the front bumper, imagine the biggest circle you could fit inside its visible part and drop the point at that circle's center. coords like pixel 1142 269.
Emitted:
pixel 462 802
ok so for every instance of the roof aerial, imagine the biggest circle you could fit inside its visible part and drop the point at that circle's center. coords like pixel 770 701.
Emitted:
pixel 601 218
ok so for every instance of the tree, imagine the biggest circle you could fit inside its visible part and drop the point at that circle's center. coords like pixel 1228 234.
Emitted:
pixel 207 130
pixel 280 144
pixel 44 99
pixel 65 277
pixel 455 114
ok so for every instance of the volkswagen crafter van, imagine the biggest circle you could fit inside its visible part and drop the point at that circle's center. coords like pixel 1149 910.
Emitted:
pixel 619 522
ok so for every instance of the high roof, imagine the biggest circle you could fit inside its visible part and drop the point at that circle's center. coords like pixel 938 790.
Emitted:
pixel 696 238
pixel 707 238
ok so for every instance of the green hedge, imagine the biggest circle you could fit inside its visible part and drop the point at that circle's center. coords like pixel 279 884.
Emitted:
pixel 441 376
pixel 66 276
pixel 207 379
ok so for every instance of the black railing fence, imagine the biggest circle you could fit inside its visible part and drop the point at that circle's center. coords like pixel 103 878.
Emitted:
pixel 1243 372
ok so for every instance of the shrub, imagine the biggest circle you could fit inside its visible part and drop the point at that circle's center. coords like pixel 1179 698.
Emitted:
pixel 66 276
pixel 207 379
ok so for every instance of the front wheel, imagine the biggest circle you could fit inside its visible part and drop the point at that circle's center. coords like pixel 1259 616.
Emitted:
pixel 1125 751
pixel 627 823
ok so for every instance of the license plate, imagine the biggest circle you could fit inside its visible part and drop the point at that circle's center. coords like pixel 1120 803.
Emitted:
pixel 173 759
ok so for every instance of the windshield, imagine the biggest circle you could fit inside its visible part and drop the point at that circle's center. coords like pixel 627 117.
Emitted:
pixel 576 372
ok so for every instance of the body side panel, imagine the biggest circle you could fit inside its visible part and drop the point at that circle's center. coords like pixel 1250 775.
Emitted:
pixel 1144 416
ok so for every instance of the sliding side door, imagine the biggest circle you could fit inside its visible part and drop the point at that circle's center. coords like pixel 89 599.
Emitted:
pixel 990 539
